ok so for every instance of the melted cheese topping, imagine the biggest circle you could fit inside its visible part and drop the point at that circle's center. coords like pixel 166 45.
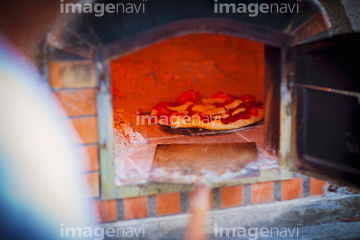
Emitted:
pixel 202 108
pixel 239 111
pixel 215 111
pixel 181 108
pixel 163 121
pixel 153 112
pixel 212 100
pixel 234 104
pixel 221 116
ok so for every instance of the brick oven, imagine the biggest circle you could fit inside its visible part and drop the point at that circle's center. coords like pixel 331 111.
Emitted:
pixel 123 64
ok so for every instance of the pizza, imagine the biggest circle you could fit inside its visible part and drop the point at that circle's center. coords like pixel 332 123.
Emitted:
pixel 219 112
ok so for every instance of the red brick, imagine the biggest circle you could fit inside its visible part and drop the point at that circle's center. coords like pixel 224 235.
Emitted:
pixel 317 186
pixel 87 129
pixel 78 102
pixel 291 189
pixel 135 208
pixel 72 74
pixel 231 196
pixel 168 203
pixel 107 210
pixel 262 192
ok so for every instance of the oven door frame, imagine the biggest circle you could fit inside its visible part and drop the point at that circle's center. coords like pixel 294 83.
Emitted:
pixel 296 149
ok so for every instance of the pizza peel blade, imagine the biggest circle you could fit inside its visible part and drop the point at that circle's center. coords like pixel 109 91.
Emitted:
pixel 209 162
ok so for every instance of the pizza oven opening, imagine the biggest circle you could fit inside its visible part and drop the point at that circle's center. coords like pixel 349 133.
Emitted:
pixel 204 63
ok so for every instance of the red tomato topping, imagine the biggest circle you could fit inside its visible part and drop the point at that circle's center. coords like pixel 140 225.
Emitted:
pixel 189 96
pixel 162 108
pixel 228 97
pixel 247 98
pixel 205 118
pixel 254 111
pixel 189 108
pixel 162 105
pixel 190 111
pixel 219 105
pixel 241 105
pixel 252 104
pixel 241 115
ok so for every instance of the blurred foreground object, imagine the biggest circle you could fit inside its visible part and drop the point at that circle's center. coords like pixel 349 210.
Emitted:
pixel 40 186
pixel 197 228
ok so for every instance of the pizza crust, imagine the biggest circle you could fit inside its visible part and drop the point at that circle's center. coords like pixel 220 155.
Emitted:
pixel 217 125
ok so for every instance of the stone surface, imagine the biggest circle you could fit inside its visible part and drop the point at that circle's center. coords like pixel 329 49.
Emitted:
pixel 317 217
pixel 352 9
pixel 337 15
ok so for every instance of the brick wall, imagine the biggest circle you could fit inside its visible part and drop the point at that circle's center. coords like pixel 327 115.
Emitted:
pixel 74 85
pixel 220 198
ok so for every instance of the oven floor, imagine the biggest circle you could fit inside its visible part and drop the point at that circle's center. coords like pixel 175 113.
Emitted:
pixel 133 165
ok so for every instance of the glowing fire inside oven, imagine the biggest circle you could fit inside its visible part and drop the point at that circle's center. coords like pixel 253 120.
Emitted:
pixel 207 63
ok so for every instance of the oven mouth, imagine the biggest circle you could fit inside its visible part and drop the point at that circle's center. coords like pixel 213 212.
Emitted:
pixel 207 63
pixel 80 51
